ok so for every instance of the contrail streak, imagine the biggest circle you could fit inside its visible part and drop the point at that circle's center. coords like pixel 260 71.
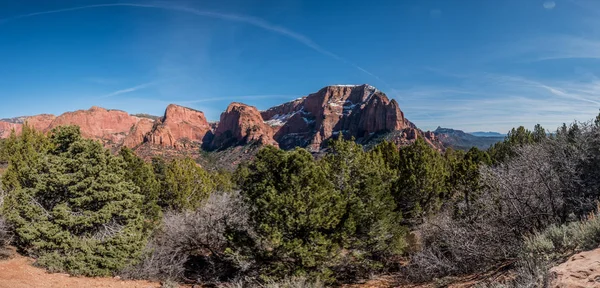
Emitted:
pixel 217 15
pixel 128 90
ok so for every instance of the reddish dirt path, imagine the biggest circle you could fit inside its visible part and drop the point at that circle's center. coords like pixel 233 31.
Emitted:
pixel 18 272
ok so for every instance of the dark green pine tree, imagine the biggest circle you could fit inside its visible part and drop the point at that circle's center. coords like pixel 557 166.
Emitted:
pixel 421 182
pixel 370 224
pixel 142 175
pixel 295 212
pixel 464 178
pixel 186 185
pixel 76 212
pixel 21 153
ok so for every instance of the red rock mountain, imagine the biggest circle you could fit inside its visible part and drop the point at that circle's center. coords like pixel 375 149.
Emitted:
pixel 109 126
pixel 359 111
pixel 7 127
pixel 242 124
pixel 180 128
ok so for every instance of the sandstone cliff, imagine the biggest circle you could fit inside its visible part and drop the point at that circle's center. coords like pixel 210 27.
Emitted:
pixel 242 124
pixel 358 111
pixel 180 128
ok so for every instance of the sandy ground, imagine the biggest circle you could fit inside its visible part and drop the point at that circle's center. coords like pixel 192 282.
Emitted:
pixel 18 272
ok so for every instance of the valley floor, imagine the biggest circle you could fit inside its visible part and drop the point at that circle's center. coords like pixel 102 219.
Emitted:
pixel 580 270
pixel 18 272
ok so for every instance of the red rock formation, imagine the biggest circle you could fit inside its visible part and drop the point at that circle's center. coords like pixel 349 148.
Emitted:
pixel 355 111
pixel 6 128
pixel 109 126
pixel 180 128
pixel 138 133
pixel 241 124
pixel 580 270
pixel 40 122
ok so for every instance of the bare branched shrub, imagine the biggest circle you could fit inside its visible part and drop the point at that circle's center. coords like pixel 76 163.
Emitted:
pixel 5 238
pixel 534 189
pixel 198 244
pixel 292 282
pixel 452 246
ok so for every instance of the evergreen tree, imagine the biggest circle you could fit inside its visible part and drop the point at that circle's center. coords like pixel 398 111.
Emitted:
pixel 370 224
pixel 389 152
pixel 23 152
pixel 295 211
pixel 539 133
pixel 520 136
pixel 464 177
pixel 185 185
pixel 142 175
pixel 421 182
pixel 72 208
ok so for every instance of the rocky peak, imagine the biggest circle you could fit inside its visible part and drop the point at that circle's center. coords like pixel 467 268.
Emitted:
pixel 181 127
pixel 242 124
pixel 357 111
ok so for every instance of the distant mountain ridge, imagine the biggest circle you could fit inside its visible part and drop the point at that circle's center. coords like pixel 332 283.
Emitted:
pixel 487 134
pixel 458 139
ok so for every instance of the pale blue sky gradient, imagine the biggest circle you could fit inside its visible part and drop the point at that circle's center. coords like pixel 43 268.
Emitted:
pixel 465 64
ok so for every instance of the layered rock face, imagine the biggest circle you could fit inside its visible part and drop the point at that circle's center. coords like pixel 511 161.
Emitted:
pixel 138 133
pixel 113 127
pixel 180 128
pixel 357 111
pixel 109 126
pixel 40 122
pixel 7 127
pixel 242 124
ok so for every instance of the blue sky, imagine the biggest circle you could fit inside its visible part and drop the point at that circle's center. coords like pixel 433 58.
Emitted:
pixel 465 64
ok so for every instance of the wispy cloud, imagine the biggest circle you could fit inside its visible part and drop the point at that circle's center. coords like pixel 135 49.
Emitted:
pixel 484 101
pixel 549 5
pixel 254 21
pixel 129 90
pixel 101 80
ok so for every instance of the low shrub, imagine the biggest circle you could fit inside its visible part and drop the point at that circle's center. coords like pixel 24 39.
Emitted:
pixel 198 245
pixel 559 241
pixel 543 250
pixel 5 238
pixel 291 282
pixel 451 246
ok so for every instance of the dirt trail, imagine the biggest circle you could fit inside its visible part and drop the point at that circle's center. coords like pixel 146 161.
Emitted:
pixel 18 272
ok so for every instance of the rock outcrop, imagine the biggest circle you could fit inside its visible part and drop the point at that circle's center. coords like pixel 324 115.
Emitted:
pixel 7 127
pixel 242 124
pixel 180 128
pixel 40 122
pixel 357 111
pixel 581 270
pixel 138 133
pixel 109 126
